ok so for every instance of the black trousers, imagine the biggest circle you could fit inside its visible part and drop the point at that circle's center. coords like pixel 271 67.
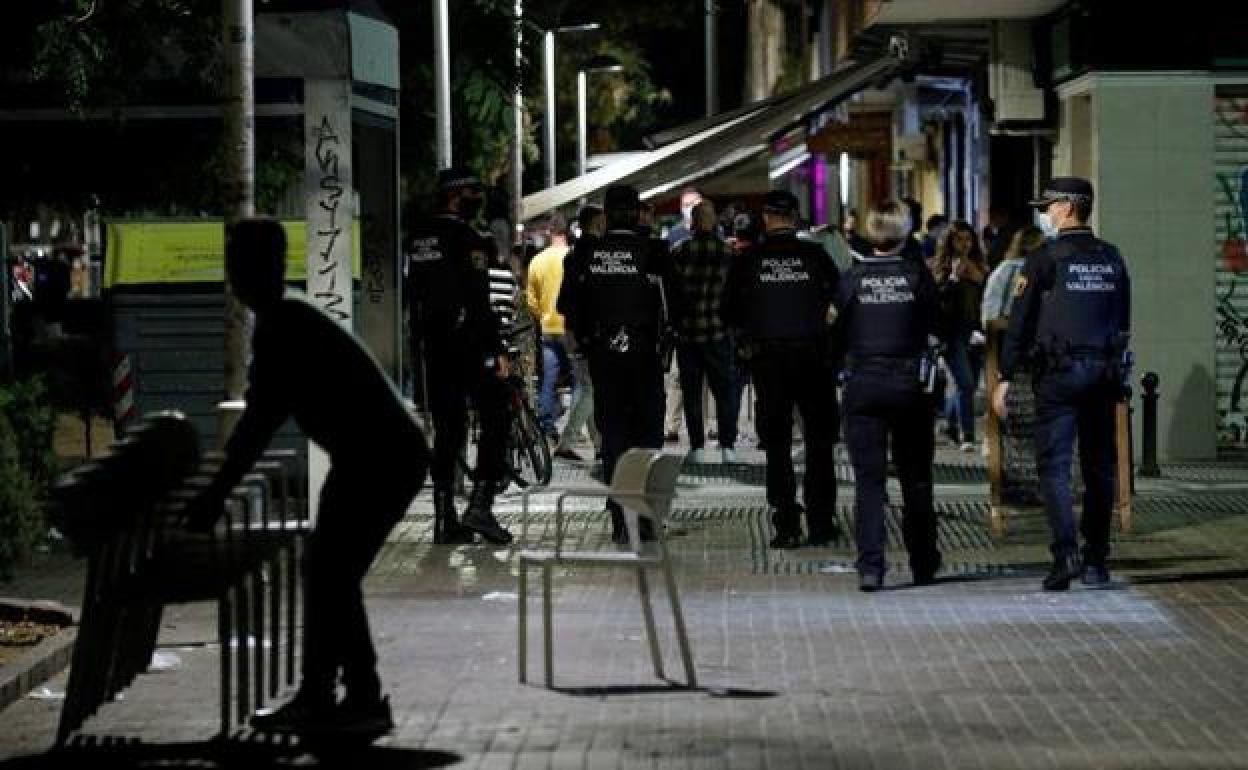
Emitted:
pixel 628 403
pixel 1077 400
pixel 802 376
pixel 360 503
pixel 456 373
pixel 884 404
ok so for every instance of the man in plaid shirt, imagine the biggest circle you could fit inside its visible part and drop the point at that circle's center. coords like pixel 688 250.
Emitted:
pixel 705 350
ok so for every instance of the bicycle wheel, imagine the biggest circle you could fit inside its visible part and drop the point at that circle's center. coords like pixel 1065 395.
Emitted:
pixel 528 452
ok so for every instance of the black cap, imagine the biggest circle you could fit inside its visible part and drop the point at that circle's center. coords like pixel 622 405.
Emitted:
pixel 1064 188
pixel 781 202
pixel 621 197
pixel 457 178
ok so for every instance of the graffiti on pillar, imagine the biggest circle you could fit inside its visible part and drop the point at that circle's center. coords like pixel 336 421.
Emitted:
pixel 329 294
pixel 1231 238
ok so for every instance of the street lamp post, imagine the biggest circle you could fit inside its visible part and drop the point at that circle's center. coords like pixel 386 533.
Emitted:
pixel 597 64
pixel 548 64
pixel 442 82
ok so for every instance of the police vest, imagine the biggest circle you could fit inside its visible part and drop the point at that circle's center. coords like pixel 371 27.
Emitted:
pixel 618 290
pixel 884 315
pixel 1081 313
pixel 441 256
pixel 789 297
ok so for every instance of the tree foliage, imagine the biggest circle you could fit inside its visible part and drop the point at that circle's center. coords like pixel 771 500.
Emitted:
pixel 100 54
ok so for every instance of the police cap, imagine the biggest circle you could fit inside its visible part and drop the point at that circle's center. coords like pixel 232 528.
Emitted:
pixel 1064 188
pixel 457 178
pixel 780 202
pixel 621 197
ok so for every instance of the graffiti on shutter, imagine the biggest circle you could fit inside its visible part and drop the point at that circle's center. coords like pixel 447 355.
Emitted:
pixel 1231 252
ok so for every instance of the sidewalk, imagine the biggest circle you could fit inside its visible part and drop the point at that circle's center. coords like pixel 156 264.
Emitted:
pixel 798 668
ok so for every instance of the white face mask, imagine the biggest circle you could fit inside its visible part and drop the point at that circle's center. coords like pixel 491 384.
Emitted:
pixel 1045 223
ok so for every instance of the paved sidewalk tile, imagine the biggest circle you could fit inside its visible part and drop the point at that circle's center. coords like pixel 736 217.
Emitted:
pixel 798 669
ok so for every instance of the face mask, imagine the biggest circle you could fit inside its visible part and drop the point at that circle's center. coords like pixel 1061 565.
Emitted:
pixel 470 207
pixel 1045 223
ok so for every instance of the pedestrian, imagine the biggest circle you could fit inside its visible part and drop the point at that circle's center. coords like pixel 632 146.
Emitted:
pixel 464 353
pixel 545 280
pixel 303 364
pixel 683 231
pixel 592 224
pixel 999 288
pixel 612 302
pixel 960 271
pixel 779 299
pixel 704 352
pixel 887 321
pixel 1073 308
pixel 934 233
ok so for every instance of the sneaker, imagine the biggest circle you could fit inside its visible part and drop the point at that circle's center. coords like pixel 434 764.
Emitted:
pixel 363 719
pixel 1095 576
pixel 728 456
pixel 1064 569
pixel 697 456
pixel 302 714
pixel 967 446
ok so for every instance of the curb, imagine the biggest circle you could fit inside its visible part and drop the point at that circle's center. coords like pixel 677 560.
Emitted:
pixel 44 661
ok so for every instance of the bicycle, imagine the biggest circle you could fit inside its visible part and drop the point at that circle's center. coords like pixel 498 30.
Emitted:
pixel 527 459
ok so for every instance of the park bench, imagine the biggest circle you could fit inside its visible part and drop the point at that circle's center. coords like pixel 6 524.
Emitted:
pixel 123 512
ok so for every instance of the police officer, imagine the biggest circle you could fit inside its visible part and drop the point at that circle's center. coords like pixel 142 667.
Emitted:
pixel 887 318
pixel 611 301
pixel 464 354
pixel 1071 317
pixel 778 297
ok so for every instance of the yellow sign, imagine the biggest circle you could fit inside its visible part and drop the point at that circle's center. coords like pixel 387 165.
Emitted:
pixel 192 252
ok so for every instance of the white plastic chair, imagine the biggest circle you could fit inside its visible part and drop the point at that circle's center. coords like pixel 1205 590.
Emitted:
pixel 644 485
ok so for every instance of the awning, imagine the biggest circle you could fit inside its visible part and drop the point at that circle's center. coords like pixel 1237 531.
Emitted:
pixel 938 11
pixel 689 153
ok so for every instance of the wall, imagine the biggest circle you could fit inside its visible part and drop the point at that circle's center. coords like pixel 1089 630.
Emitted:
pixel 1149 152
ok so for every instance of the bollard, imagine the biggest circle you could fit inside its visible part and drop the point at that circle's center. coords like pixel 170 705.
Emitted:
pixel 1148 457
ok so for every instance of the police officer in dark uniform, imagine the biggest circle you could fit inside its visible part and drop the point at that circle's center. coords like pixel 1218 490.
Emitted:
pixel 611 301
pixel 887 319
pixel 464 354
pixel 1071 317
pixel 778 297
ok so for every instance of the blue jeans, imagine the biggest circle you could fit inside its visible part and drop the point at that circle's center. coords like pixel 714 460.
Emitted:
pixel 1077 400
pixel 554 361
pixel 965 364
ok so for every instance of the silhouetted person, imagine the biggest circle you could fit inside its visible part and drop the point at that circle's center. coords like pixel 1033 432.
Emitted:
pixel 304 365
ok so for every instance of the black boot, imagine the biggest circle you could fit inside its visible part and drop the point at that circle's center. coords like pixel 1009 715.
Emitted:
pixel 446 527
pixel 786 520
pixel 1065 569
pixel 479 517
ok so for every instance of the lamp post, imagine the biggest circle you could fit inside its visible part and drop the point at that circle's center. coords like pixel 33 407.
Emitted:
pixel 548 62
pixel 596 64
pixel 442 82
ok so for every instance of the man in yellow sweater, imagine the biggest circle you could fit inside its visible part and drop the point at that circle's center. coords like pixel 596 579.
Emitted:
pixel 545 279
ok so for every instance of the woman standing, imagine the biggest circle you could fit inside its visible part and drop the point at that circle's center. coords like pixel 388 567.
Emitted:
pixel 886 320
pixel 960 270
